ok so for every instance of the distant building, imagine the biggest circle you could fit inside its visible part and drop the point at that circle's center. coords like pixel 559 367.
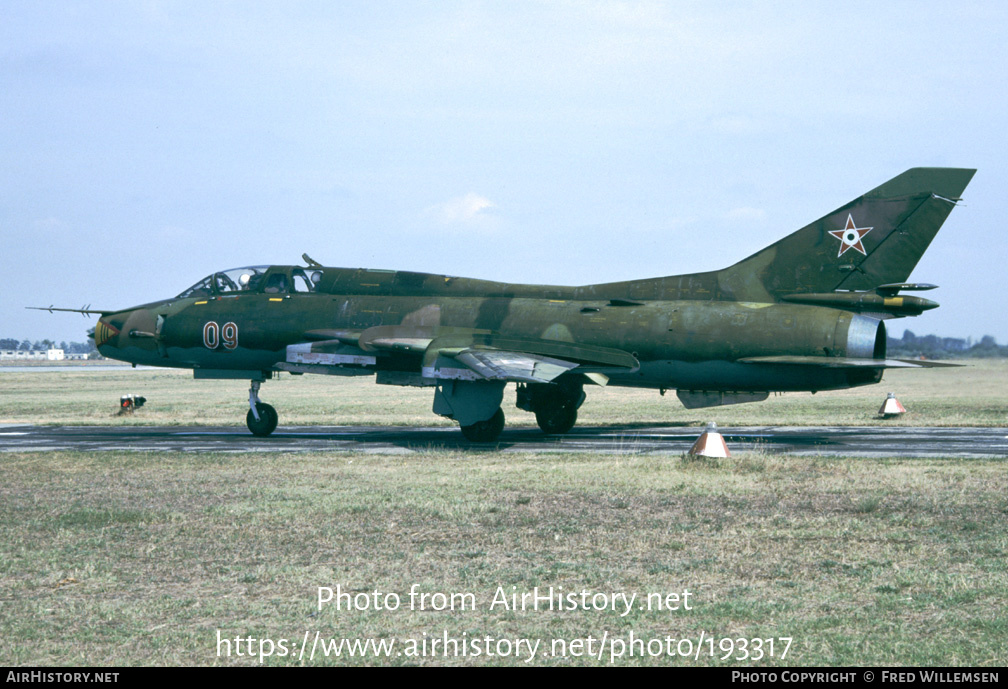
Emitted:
pixel 23 355
pixel 19 354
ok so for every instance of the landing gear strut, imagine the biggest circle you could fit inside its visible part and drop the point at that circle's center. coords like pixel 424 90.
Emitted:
pixel 261 418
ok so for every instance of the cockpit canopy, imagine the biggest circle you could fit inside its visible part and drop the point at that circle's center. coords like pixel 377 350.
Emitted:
pixel 254 279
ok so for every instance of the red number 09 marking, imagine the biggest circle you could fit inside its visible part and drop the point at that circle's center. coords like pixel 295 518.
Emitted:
pixel 229 335
pixel 213 335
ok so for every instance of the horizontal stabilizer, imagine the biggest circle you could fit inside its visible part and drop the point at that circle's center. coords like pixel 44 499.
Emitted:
pixel 843 362
pixel 927 363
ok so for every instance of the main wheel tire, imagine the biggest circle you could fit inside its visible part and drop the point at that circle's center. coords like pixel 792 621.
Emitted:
pixel 267 422
pixel 485 431
pixel 557 418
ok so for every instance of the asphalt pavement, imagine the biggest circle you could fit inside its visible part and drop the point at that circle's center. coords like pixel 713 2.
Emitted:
pixel 848 441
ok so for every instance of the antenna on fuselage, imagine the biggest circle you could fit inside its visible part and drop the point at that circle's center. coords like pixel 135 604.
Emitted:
pixel 312 263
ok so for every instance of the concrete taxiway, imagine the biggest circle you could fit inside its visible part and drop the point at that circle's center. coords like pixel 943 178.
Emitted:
pixel 843 441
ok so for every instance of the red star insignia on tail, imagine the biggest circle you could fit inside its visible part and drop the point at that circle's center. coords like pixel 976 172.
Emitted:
pixel 850 237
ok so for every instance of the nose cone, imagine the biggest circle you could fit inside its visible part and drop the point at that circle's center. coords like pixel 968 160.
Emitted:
pixel 106 332
pixel 126 335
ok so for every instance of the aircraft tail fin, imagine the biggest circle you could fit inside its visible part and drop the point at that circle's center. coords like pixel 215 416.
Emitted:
pixel 874 240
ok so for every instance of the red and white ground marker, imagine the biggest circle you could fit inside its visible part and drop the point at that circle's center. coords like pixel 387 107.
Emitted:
pixel 891 408
pixel 710 444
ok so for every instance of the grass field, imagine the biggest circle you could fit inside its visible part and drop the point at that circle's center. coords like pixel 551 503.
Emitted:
pixel 137 558
pixel 973 395
pixel 143 558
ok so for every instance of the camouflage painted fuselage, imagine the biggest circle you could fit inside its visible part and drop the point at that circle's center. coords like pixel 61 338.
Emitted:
pixel 680 344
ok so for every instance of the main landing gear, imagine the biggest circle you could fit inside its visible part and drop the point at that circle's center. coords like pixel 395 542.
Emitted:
pixel 555 405
pixel 261 418
pixel 476 405
pixel 485 431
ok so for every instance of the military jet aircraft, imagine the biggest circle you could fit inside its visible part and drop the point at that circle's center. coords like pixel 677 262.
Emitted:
pixel 804 314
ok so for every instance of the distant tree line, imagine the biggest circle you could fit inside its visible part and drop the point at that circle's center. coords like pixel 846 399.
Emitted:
pixel 45 345
pixel 935 347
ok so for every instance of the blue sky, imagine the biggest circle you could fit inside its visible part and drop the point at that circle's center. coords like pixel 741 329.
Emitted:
pixel 147 144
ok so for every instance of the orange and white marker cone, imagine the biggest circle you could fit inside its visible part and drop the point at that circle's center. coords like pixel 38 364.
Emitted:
pixel 891 408
pixel 710 444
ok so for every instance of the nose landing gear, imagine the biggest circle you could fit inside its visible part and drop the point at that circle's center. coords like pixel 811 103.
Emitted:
pixel 261 418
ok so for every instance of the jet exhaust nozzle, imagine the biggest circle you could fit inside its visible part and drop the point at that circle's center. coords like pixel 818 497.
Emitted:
pixel 866 338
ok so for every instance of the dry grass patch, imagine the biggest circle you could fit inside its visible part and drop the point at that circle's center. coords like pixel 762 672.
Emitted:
pixel 134 558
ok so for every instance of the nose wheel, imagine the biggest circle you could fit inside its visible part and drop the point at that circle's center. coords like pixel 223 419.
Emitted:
pixel 261 418
pixel 265 424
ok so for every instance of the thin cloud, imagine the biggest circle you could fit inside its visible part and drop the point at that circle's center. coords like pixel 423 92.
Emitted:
pixel 470 210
